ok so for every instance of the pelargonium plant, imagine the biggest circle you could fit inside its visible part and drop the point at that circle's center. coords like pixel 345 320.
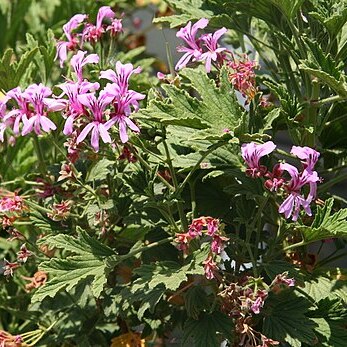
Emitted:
pixel 202 207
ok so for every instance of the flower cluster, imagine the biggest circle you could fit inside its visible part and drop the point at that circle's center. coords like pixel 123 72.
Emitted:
pixel 242 76
pixel 276 181
pixel 209 227
pixel 29 109
pixel 60 211
pixel 89 32
pixel 205 48
pixel 85 111
pixel 243 300
pixel 86 108
pixel 12 207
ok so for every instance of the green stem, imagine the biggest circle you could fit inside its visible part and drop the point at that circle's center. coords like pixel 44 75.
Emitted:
pixel 294 245
pixel 197 165
pixel 183 217
pixel 257 221
pixel 192 197
pixel 148 167
pixel 312 116
pixel 146 248
pixel 330 99
pixel 18 181
pixel 253 260
pixel 40 157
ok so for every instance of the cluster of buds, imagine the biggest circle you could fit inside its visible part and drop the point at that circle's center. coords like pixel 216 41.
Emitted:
pixel 275 181
pixel 89 32
pixel 242 76
pixel 243 300
pixel 60 211
pixel 209 227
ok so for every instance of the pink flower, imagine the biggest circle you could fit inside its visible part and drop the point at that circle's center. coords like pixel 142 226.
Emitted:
pixel 182 241
pixel 115 27
pixel 78 61
pixel 308 156
pixel 11 204
pixel 210 268
pixel 124 100
pixel 121 76
pixel 193 51
pixel 60 211
pixel 283 279
pixel 195 228
pixel 259 301
pixel 212 225
pixel 15 117
pixel 274 179
pixel 218 243
pixel 23 254
pixel 291 205
pixel 10 267
pixel 14 235
pixel 72 42
pixel 74 106
pixel 243 77
pixel 211 43
pixel 36 95
pixel 92 33
pixel 251 153
pixel 97 127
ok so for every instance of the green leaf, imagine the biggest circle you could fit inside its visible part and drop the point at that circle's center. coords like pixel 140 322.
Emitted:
pixel 319 287
pixel 12 72
pixel 288 8
pixel 321 65
pixel 285 319
pixel 330 333
pixel 195 301
pixel 190 9
pixel 333 18
pixel 169 273
pixel 209 330
pixel 91 264
pixel 339 86
pixel 45 224
pixel 276 267
pixel 215 108
pixel 289 103
pixel 331 318
pixel 270 118
pixel 100 170
pixel 149 300
pixel 326 224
